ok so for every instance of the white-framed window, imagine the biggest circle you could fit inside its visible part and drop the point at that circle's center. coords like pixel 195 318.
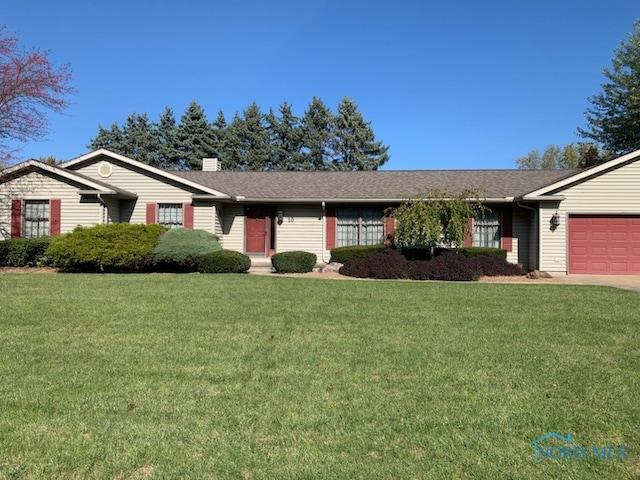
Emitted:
pixel 360 226
pixel 170 215
pixel 486 230
pixel 35 219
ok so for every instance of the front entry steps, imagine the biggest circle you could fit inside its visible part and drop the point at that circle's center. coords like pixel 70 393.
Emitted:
pixel 260 264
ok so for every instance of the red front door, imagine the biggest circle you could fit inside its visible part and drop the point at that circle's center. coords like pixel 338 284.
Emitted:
pixel 256 230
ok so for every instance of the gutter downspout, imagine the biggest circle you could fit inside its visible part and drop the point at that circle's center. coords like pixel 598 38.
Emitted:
pixel 537 237
pixel 324 233
pixel 102 209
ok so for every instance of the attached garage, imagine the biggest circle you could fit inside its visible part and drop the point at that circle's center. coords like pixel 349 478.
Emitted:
pixel 604 244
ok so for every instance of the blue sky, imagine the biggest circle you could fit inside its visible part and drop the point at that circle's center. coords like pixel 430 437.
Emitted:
pixel 446 84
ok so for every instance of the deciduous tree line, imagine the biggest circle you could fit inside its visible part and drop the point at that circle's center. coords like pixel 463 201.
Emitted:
pixel 253 140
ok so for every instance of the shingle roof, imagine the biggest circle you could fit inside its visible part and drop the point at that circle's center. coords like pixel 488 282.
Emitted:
pixel 373 185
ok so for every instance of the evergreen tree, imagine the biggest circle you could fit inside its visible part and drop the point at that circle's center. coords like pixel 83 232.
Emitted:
pixel 614 117
pixel 253 141
pixel 286 141
pixel 255 138
pixel 169 155
pixel 196 138
pixel 221 140
pixel 591 155
pixel 136 139
pixel 109 139
pixel 317 134
pixel 235 155
pixel 355 147
pixel 140 139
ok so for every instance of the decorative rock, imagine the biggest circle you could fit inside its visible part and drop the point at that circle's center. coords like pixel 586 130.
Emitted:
pixel 537 274
pixel 331 267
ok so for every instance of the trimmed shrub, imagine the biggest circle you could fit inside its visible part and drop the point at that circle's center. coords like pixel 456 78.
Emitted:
pixel 223 261
pixel 475 251
pixel 293 262
pixel 342 254
pixel 24 252
pixel 115 247
pixel 387 265
pixel 417 253
pixel 449 266
pixel 179 249
pixel 494 265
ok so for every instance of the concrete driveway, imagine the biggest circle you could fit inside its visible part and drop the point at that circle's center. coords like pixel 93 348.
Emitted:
pixel 628 282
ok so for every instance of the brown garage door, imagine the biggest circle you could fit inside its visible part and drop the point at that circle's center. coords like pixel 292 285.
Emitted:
pixel 604 244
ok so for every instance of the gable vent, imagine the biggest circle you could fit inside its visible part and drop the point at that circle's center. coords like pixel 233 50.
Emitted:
pixel 105 169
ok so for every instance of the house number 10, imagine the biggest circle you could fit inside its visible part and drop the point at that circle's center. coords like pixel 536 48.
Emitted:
pixel 290 220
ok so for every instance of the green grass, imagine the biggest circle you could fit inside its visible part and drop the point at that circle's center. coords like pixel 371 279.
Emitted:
pixel 237 376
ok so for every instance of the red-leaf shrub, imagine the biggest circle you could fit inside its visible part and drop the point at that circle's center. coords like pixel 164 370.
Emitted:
pixel 448 266
pixel 494 265
pixel 387 265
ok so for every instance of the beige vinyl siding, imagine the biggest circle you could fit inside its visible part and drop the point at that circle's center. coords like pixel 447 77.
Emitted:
pixel 520 231
pixel 614 192
pixel 217 221
pixel 302 229
pixel 233 227
pixel 533 242
pixel 203 215
pixel 148 189
pixel 36 186
pixel 553 244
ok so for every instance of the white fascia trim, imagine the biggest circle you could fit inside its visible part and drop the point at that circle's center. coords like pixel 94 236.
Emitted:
pixel 544 198
pixel 241 198
pixel 142 166
pixel 585 174
pixel 69 175
pixel 97 192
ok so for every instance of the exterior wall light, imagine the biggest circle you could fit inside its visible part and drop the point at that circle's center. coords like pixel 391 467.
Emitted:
pixel 280 216
pixel 555 221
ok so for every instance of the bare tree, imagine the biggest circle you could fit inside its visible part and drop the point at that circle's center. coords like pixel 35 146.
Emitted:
pixel 29 87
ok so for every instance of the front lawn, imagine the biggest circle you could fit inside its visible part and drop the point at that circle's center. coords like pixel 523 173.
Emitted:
pixel 262 377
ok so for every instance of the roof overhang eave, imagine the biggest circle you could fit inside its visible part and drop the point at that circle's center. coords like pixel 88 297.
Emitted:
pixel 243 199
pixel 542 198
pixel 209 197
pixel 112 193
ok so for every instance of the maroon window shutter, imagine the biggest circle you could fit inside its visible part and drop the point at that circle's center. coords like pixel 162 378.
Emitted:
pixel 507 228
pixel 151 213
pixel 187 216
pixel 389 228
pixel 468 241
pixel 54 217
pixel 16 218
pixel 332 223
